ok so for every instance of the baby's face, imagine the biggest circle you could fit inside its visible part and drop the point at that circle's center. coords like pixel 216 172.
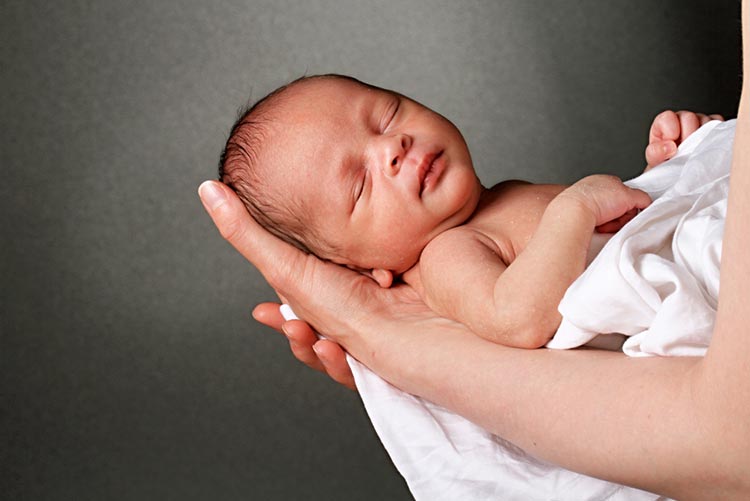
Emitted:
pixel 380 174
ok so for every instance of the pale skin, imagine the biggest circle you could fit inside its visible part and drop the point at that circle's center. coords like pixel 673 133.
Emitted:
pixel 675 426
pixel 503 273
pixel 401 199
pixel 667 131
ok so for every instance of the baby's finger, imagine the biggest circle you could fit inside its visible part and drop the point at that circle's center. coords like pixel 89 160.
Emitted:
pixel 659 152
pixel 616 224
pixel 666 126
pixel 689 123
pixel 716 116
pixel 333 358
pixel 703 118
pixel 639 200
pixel 609 227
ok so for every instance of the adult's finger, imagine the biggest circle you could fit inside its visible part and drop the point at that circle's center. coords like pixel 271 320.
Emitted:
pixel 269 314
pixel 319 354
pixel 300 335
pixel 301 340
pixel 325 356
pixel 333 358
pixel 273 257
pixel 317 290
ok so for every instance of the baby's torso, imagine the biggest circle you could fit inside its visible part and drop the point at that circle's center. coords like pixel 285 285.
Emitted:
pixel 508 215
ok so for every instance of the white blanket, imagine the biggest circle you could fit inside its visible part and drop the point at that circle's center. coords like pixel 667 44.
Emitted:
pixel 657 280
pixel 661 293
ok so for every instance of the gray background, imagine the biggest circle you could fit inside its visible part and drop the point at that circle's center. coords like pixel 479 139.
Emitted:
pixel 130 366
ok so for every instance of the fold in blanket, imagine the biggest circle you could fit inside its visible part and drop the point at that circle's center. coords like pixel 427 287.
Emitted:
pixel 655 280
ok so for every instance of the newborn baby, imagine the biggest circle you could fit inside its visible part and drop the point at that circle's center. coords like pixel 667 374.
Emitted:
pixel 370 179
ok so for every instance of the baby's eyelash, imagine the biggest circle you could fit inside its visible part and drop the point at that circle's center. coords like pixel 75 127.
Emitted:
pixel 395 112
pixel 391 116
pixel 361 187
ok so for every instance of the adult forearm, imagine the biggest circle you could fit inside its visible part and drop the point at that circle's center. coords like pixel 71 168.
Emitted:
pixel 632 421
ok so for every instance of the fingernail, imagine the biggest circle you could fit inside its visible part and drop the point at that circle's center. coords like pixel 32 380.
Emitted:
pixel 211 195
pixel 283 329
pixel 316 349
pixel 670 149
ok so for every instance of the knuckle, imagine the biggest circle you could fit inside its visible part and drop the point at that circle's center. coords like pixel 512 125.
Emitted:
pixel 664 116
pixel 609 179
pixel 231 230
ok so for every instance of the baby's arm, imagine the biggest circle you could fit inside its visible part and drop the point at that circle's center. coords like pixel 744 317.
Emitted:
pixel 464 278
pixel 668 130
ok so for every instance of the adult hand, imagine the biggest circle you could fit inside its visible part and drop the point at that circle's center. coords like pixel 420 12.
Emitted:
pixel 338 302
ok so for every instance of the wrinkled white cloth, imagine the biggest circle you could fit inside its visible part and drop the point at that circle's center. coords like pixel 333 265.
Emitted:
pixel 657 279
pixel 443 456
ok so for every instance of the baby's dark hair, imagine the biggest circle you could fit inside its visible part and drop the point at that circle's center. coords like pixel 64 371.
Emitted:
pixel 239 169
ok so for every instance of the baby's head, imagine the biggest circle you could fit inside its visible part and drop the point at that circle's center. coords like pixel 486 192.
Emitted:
pixel 356 174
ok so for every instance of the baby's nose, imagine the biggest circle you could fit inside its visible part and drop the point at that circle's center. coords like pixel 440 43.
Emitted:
pixel 396 150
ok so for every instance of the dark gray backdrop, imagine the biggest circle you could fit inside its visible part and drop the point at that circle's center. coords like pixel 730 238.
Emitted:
pixel 130 366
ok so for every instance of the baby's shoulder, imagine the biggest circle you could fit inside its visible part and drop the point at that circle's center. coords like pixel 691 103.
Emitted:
pixel 446 256
pixel 466 234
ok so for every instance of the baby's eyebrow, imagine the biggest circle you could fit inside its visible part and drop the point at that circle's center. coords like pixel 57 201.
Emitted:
pixel 350 173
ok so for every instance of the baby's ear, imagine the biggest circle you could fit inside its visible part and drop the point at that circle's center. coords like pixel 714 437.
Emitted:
pixel 384 278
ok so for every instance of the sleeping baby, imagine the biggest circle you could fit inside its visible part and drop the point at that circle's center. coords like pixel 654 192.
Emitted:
pixel 370 179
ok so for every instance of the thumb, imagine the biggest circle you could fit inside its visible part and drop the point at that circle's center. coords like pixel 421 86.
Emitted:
pixel 273 257
pixel 659 152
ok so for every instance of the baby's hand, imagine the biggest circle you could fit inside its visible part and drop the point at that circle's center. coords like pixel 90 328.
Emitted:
pixel 608 200
pixel 669 130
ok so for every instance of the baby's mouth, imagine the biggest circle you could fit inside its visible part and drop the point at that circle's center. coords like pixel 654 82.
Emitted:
pixel 427 170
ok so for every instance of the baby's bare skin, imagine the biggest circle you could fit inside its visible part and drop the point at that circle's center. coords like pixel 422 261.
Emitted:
pixel 504 272
pixel 505 220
